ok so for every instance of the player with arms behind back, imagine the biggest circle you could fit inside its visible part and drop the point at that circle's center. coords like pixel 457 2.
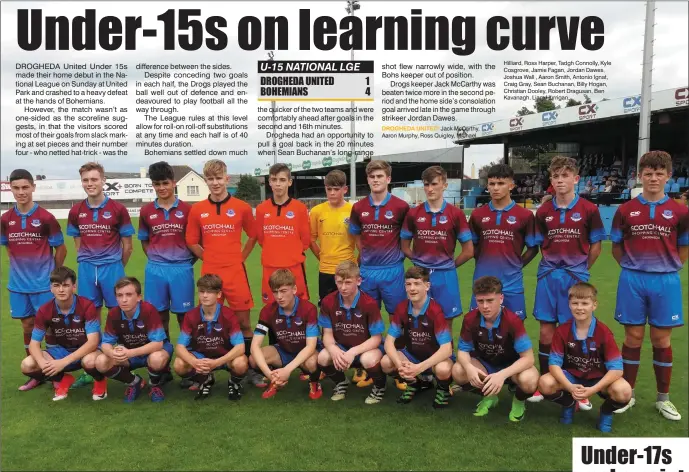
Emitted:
pixel 421 324
pixel 102 232
pixel 134 337
pixel 376 223
pixel 650 236
pixel 569 230
pixel 585 360
pixel 169 274
pixel 293 323
pixel 210 339
pixel 75 323
pixel 30 234
pixel 352 333
pixel 493 349
pixel 434 228
pixel 501 230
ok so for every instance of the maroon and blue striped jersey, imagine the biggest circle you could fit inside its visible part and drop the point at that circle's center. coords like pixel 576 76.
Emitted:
pixel 70 330
pixel 144 327
pixel 290 331
pixel 499 239
pixel 422 334
pixel 100 230
pixel 435 235
pixel 589 358
pixel 651 234
pixel 30 238
pixel 379 227
pixel 214 338
pixel 351 326
pixel 165 232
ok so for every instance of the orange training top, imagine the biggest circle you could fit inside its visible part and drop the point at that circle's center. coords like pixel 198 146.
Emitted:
pixel 217 227
pixel 283 231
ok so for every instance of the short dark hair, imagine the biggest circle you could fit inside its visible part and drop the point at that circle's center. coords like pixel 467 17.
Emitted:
pixel 21 174
pixel 60 275
pixel 159 171
pixel 209 283
pixel 417 272
pixel 275 169
pixel 656 160
pixel 430 173
pixel 501 171
pixel 487 284
pixel 335 178
pixel 124 281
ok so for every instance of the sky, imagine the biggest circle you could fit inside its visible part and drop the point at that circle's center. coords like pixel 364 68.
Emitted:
pixel 624 27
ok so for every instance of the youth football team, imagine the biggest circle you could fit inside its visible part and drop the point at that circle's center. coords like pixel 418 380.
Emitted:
pixel 578 355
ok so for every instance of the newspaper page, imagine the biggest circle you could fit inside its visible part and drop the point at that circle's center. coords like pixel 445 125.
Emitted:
pixel 513 175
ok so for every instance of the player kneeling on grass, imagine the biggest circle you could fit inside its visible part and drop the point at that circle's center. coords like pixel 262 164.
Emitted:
pixel 352 331
pixel 294 326
pixel 493 349
pixel 211 339
pixel 134 337
pixel 421 324
pixel 584 360
pixel 75 323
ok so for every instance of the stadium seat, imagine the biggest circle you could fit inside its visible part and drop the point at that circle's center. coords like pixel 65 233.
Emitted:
pixel 625 194
pixel 674 188
pixel 682 181
pixel 601 188
pixel 668 186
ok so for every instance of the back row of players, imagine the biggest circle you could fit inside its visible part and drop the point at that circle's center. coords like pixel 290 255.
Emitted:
pixel 501 236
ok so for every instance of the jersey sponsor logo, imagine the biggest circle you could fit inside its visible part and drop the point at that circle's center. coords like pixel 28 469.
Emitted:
pixel 485 219
pixel 140 324
pixel 186 304
pixel 511 219
pixel 321 220
pixel 12 223
pixel 230 213
pixel 443 220
pixel 290 214
pixel 346 220
pixel 338 313
pixel 267 215
pixel 153 217
pixel 667 214
pixel 421 219
pixel 179 214
pixel 635 213
pixel 278 321
pixel 204 215
pixel 388 215
pixel 548 218
pixel 675 317
pixel 572 344
pixel 576 217
pixel 107 215
pixel 55 320
pixel 83 215
pixel 365 213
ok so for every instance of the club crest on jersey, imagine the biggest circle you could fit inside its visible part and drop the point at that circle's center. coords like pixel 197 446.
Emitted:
pixel 83 215
pixel 179 214
pixel 36 223
pixel 140 324
pixel 421 219
pixel 107 215
pixel 265 296
pixel 388 215
pixel 298 321
pixel 485 219
pixel 443 220
pixel 230 213
pixel 289 214
pixel 358 314
pixel 592 346
pixel 576 217
pixel 548 218
pixel 511 219
pixel 667 214
pixel 217 327
pixel 635 213
pixel 365 213
pixel 424 322
pixel 76 318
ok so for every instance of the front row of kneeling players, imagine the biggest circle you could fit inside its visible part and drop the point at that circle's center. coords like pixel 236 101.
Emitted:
pixel 493 350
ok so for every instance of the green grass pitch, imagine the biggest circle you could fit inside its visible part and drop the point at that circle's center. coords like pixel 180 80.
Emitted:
pixel 291 432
